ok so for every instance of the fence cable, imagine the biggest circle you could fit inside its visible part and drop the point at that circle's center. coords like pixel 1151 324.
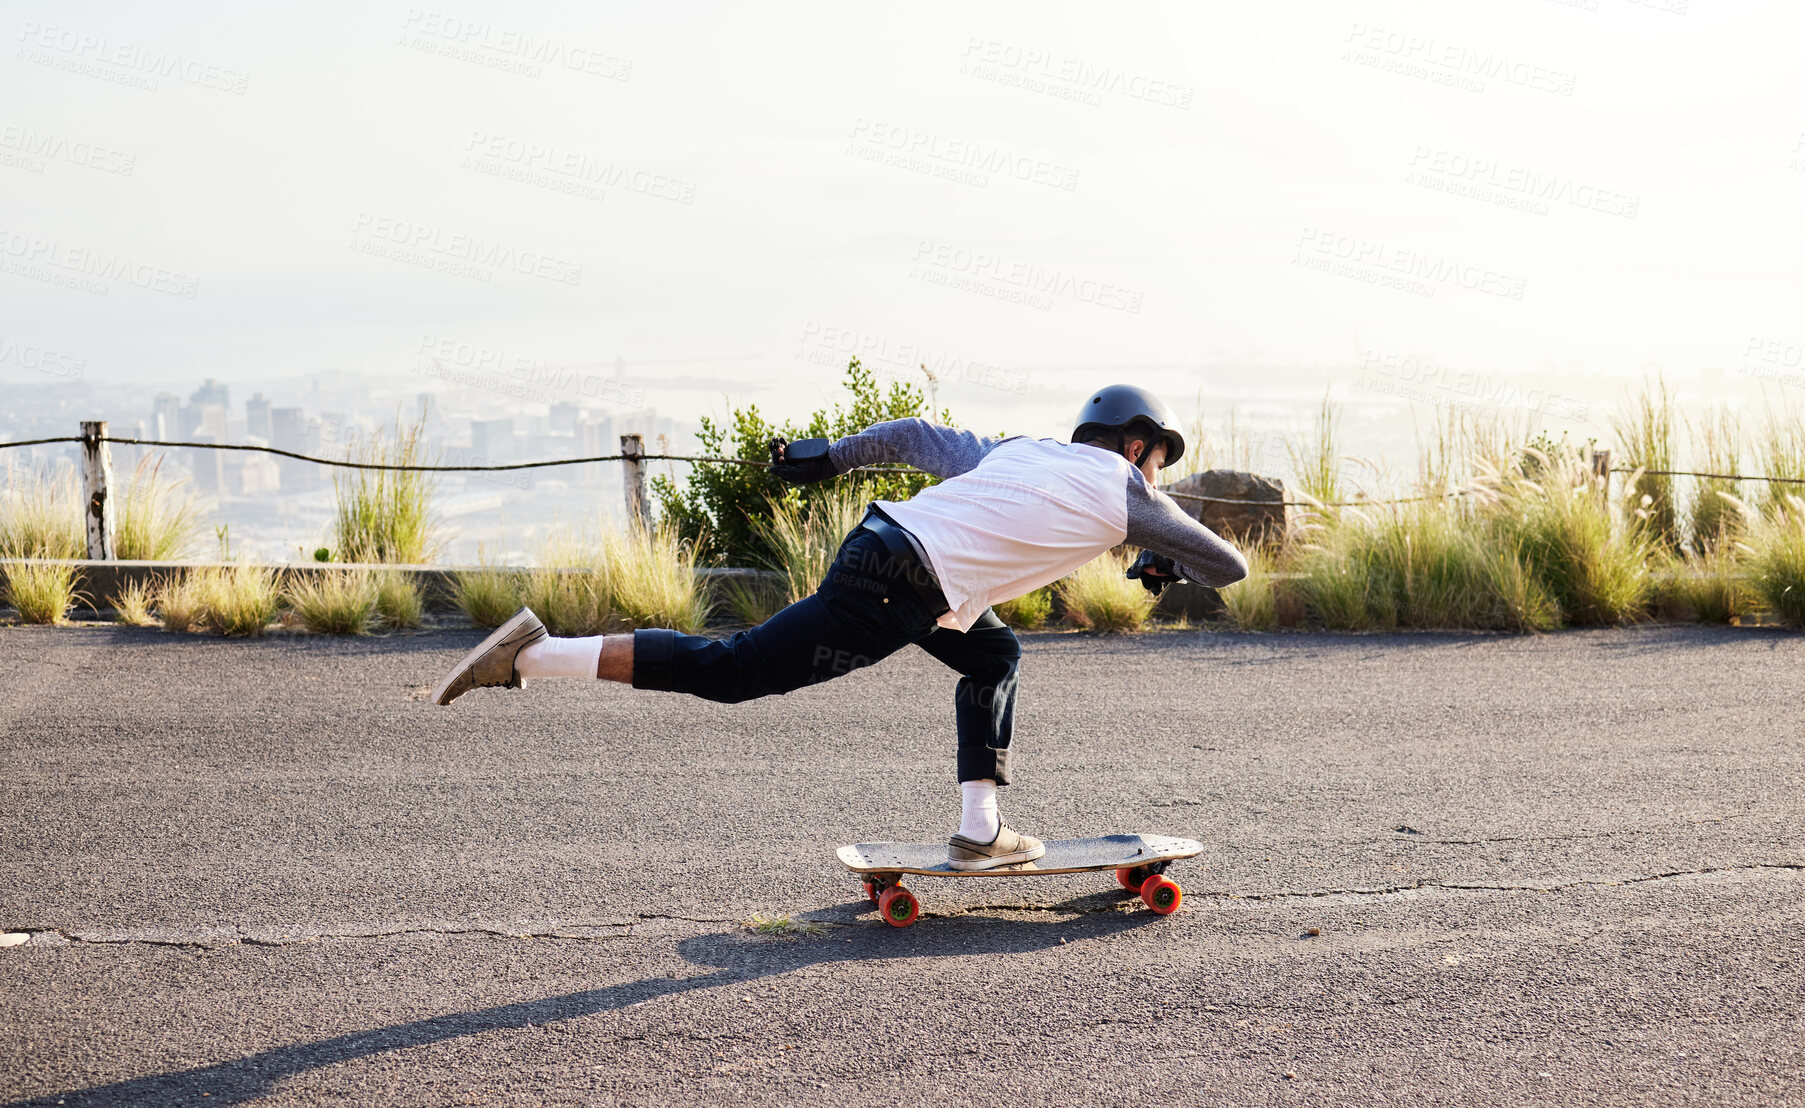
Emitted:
pixel 346 463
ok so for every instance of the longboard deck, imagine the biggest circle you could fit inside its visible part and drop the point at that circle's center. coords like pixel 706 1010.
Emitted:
pixel 1062 856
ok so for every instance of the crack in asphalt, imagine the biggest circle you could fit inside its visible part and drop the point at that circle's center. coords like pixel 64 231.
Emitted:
pixel 1414 838
pixel 1381 890
pixel 622 929
pixel 1434 883
pixel 625 928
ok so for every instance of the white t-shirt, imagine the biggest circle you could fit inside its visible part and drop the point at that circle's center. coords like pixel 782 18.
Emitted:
pixel 1019 513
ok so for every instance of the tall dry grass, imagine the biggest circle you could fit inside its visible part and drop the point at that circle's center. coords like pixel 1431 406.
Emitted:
pixel 1645 435
pixel 1316 457
pixel 1099 596
pixel 1773 564
pixel 805 540
pixel 1424 566
pixel 42 592
pixel 750 600
pixel 489 594
pixel 159 519
pixel 387 515
pixel 1028 612
pixel 400 604
pixel 1251 604
pixel 239 600
pixel 569 589
pixel 132 605
pixel 1713 519
pixel 1782 453
pixel 652 582
pixel 1593 563
pixel 181 603
pixel 333 602
pixel 40 514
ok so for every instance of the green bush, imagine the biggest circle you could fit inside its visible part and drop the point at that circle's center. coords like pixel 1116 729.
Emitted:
pixel 719 509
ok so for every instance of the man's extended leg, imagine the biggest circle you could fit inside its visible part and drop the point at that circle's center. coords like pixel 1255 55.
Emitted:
pixel 862 613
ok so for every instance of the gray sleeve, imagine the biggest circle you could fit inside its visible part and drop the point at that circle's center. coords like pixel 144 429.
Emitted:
pixel 942 451
pixel 1157 523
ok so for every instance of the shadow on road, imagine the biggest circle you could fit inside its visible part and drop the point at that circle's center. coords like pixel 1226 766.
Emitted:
pixel 735 958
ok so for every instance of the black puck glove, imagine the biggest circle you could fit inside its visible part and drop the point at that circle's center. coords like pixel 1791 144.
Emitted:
pixel 1154 571
pixel 802 462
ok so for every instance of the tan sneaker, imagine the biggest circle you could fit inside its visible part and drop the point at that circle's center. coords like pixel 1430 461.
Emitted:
pixel 491 664
pixel 1009 848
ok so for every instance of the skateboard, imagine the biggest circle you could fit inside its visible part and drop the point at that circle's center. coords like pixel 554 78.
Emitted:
pixel 1140 863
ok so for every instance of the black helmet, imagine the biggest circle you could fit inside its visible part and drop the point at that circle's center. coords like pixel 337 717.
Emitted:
pixel 1117 406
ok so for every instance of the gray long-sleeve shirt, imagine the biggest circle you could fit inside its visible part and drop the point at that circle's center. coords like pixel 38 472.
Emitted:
pixel 1016 513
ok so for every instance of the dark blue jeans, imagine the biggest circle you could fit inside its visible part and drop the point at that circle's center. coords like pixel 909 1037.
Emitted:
pixel 864 611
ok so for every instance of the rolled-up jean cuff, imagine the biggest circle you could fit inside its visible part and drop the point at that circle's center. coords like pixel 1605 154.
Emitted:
pixel 979 763
pixel 653 650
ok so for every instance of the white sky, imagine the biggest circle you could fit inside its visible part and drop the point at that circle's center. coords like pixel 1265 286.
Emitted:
pixel 1300 125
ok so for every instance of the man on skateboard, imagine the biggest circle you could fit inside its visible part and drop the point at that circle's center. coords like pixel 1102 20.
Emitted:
pixel 1009 516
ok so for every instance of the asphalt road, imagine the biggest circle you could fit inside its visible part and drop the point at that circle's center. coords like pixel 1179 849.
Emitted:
pixel 1544 870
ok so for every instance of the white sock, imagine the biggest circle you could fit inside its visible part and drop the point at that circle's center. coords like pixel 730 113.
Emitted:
pixel 979 821
pixel 551 657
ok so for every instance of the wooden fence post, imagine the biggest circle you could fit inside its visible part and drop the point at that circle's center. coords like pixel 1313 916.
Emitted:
pixel 1601 473
pixel 97 485
pixel 632 447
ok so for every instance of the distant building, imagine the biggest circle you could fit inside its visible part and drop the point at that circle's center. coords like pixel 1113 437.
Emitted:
pixel 209 422
pixel 290 430
pixel 166 417
pixel 564 419
pixel 247 473
pixel 492 440
pixel 256 417
pixel 207 465
pixel 596 437
pixel 212 392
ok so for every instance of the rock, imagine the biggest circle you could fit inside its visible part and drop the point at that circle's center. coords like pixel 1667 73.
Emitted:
pixel 14 938
pixel 1202 496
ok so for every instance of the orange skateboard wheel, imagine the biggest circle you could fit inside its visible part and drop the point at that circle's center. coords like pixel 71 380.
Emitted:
pixel 898 906
pixel 1162 894
pixel 871 892
pixel 1127 879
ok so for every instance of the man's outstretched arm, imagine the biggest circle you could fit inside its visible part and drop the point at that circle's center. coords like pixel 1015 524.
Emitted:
pixel 1157 523
pixel 942 451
